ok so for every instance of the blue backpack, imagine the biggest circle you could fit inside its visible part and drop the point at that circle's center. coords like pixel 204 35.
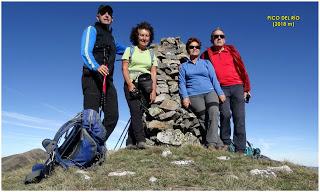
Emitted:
pixel 79 142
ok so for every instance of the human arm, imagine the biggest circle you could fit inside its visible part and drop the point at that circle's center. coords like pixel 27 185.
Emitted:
pixel 240 68
pixel 125 69
pixel 182 87
pixel 214 81
pixel 87 43
pixel 119 48
pixel 125 73
pixel 153 93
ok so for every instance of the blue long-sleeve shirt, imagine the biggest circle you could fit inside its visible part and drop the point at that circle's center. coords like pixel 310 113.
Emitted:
pixel 198 78
pixel 87 44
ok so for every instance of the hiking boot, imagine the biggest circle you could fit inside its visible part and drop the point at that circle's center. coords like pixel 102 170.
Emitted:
pixel 142 145
pixel 211 147
pixel 131 146
pixel 223 148
pixel 240 152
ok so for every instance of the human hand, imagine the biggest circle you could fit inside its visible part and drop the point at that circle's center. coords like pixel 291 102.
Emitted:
pixel 222 98
pixel 131 87
pixel 186 102
pixel 246 96
pixel 103 70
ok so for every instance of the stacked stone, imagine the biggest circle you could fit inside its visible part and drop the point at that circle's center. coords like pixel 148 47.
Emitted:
pixel 168 122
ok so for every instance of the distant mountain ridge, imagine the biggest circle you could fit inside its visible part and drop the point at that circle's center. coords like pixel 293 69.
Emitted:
pixel 17 161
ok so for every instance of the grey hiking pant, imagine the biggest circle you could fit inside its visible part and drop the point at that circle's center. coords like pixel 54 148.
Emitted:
pixel 234 107
pixel 206 108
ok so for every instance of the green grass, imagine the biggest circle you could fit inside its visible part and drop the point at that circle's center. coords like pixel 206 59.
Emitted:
pixel 205 173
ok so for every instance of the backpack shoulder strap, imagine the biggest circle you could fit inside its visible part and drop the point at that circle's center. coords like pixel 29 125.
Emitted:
pixel 70 124
pixel 151 52
pixel 151 55
pixel 131 53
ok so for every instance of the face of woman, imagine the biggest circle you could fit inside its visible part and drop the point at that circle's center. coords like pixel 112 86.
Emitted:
pixel 194 49
pixel 143 37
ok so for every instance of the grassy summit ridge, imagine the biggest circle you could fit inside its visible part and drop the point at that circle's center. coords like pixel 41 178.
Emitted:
pixel 205 173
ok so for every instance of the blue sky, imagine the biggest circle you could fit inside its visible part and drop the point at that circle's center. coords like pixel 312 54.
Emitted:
pixel 41 67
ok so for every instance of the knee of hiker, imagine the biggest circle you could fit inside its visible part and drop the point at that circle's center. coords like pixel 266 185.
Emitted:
pixel 225 114
pixel 239 117
pixel 213 111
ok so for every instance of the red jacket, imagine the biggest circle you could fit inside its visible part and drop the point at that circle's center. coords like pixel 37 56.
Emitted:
pixel 239 65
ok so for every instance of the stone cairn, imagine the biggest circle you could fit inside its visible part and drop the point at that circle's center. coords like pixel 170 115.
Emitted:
pixel 168 122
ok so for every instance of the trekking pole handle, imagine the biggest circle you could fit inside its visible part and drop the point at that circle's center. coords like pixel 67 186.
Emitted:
pixel 104 86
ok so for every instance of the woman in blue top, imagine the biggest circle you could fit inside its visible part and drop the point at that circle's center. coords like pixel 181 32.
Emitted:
pixel 201 91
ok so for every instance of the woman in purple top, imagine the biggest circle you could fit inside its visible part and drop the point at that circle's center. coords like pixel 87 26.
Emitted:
pixel 200 90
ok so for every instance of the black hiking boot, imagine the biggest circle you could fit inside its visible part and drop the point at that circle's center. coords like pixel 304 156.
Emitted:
pixel 142 145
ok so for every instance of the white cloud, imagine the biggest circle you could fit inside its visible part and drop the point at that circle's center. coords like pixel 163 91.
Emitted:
pixel 18 119
pixel 22 137
pixel 301 157
pixel 63 112
pixel 263 144
pixel 287 148
pixel 26 125
pixel 22 117
pixel 288 139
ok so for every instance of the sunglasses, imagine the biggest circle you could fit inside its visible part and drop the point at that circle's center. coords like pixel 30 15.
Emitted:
pixel 217 36
pixel 192 47
pixel 104 11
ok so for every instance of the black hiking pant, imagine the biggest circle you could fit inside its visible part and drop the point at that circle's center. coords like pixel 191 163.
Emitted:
pixel 234 107
pixel 92 92
pixel 136 131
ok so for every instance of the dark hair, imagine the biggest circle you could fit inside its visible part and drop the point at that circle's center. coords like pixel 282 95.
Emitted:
pixel 103 9
pixel 134 36
pixel 190 40
pixel 216 29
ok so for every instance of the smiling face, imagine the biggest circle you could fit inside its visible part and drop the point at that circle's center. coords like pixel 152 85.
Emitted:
pixel 194 49
pixel 218 38
pixel 105 18
pixel 143 38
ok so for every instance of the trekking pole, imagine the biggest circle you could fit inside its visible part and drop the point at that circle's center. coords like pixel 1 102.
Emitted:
pixel 127 132
pixel 104 84
pixel 143 107
pixel 124 130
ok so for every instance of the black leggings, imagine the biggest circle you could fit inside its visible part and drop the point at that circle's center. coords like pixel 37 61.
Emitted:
pixel 136 131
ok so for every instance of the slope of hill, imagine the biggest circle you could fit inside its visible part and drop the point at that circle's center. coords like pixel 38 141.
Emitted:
pixel 16 161
pixel 184 168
